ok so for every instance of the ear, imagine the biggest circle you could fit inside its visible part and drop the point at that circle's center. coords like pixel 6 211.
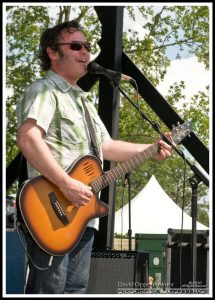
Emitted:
pixel 53 54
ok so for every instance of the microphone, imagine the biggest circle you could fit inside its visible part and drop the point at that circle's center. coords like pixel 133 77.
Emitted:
pixel 94 68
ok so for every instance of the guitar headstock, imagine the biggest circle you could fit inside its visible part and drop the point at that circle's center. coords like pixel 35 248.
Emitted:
pixel 181 131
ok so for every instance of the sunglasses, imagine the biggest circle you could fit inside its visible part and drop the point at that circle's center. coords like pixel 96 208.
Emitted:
pixel 77 45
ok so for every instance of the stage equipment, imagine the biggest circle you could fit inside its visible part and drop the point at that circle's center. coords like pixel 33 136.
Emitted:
pixel 183 279
pixel 117 272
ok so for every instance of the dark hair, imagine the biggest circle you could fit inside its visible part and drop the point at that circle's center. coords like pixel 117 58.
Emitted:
pixel 50 38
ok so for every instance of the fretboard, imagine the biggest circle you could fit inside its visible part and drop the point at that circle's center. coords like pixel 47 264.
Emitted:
pixel 123 168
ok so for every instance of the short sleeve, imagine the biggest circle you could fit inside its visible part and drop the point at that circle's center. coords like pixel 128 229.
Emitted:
pixel 37 103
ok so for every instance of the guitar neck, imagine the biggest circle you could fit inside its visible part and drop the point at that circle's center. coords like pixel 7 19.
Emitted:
pixel 178 134
pixel 123 168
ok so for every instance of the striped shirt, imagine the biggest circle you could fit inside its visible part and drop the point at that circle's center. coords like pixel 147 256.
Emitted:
pixel 56 106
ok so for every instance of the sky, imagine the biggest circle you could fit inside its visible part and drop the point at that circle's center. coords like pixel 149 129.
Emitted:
pixel 188 68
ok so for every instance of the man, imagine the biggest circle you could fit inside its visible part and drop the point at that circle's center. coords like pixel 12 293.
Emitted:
pixel 52 133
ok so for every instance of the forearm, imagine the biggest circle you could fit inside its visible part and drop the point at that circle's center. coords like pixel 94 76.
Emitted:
pixel 120 150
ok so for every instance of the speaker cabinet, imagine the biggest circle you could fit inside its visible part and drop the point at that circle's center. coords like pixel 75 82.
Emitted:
pixel 184 280
pixel 113 271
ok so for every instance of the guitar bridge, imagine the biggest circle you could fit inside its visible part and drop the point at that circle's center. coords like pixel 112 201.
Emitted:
pixel 58 208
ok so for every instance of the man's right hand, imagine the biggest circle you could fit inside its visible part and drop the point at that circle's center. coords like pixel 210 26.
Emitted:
pixel 76 192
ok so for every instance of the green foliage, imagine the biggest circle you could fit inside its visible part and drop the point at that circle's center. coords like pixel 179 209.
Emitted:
pixel 23 31
pixel 186 27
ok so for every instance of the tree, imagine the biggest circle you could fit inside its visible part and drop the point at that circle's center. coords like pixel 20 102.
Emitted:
pixel 185 26
pixel 22 34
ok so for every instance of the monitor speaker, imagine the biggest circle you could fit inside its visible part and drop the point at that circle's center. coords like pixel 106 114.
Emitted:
pixel 113 271
pixel 173 260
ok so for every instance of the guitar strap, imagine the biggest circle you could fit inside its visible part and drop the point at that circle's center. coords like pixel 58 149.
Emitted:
pixel 22 177
pixel 92 130
pixel 23 173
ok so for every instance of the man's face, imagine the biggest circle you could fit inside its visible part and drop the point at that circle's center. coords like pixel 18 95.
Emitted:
pixel 71 64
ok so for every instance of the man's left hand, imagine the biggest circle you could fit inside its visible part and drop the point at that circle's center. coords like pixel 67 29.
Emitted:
pixel 165 149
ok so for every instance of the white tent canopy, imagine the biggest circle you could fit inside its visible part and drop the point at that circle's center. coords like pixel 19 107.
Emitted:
pixel 154 212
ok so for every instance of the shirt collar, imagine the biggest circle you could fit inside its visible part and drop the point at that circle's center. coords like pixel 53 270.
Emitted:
pixel 61 83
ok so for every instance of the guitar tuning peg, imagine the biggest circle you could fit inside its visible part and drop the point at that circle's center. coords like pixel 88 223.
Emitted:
pixel 178 123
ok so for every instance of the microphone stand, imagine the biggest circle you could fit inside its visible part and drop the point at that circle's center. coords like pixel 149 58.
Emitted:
pixel 194 181
pixel 127 178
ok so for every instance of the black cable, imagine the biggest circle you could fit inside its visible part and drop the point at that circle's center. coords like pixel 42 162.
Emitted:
pixel 122 204
pixel 137 93
pixel 18 226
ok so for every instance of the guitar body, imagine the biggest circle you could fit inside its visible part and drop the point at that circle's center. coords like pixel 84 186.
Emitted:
pixel 57 229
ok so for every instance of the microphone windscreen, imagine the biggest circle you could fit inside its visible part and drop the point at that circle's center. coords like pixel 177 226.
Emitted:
pixel 91 67
pixel 94 68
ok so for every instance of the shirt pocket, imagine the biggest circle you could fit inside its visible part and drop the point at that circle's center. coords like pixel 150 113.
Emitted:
pixel 72 127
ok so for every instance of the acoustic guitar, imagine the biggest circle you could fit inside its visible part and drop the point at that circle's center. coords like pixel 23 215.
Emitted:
pixel 53 221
